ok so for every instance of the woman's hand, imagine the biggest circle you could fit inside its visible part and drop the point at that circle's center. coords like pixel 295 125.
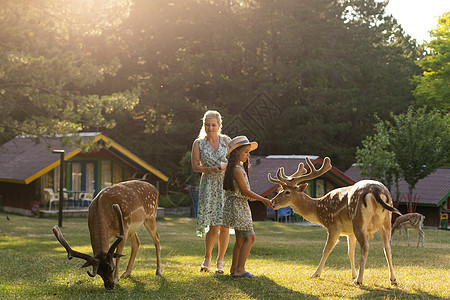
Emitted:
pixel 217 169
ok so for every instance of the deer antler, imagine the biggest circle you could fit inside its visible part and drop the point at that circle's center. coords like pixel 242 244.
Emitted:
pixel 70 252
pixel 299 175
pixel 314 173
pixel 90 261
pixel 120 237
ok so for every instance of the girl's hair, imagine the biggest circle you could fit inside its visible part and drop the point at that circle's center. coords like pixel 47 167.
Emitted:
pixel 232 160
pixel 210 114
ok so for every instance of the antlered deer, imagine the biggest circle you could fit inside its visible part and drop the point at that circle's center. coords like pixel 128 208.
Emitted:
pixel 407 221
pixel 355 211
pixel 117 213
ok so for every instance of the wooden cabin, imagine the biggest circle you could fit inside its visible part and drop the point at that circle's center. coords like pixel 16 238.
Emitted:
pixel 28 167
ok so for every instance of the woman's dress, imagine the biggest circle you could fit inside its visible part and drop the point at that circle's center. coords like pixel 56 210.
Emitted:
pixel 211 194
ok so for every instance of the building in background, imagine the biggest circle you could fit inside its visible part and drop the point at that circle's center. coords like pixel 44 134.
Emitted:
pixel 28 166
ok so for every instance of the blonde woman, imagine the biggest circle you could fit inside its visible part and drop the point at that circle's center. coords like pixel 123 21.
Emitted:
pixel 208 157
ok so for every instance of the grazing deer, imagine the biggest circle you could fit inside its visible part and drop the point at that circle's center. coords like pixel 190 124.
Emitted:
pixel 355 211
pixel 117 213
pixel 408 221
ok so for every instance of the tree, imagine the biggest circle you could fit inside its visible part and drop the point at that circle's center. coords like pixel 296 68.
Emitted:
pixel 352 62
pixel 47 71
pixel 418 142
pixel 375 159
pixel 433 87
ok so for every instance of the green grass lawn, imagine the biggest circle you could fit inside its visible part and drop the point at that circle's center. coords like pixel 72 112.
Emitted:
pixel 33 265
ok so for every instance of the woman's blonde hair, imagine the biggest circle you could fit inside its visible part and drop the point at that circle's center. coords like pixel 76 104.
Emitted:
pixel 210 114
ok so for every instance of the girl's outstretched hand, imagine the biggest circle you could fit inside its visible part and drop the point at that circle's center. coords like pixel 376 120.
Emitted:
pixel 268 203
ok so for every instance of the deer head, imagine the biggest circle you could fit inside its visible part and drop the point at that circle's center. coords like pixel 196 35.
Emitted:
pixel 102 263
pixel 290 188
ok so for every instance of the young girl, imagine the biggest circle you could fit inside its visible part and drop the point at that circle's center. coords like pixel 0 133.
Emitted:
pixel 236 211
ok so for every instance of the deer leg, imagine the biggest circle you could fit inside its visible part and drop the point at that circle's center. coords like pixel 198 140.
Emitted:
pixel 361 237
pixel 151 228
pixel 407 235
pixel 332 238
pixel 135 243
pixel 399 235
pixel 386 235
pixel 351 241
pixel 421 236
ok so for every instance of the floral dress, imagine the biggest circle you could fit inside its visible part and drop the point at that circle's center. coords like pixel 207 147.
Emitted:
pixel 236 211
pixel 211 194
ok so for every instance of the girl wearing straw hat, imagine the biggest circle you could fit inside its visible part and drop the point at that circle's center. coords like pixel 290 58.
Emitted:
pixel 236 211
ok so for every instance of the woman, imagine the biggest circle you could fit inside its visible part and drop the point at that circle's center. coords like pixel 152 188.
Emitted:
pixel 208 157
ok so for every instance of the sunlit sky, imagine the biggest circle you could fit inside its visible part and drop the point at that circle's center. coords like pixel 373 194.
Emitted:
pixel 418 17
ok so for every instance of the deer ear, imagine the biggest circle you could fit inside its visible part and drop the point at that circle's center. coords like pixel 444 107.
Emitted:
pixel 302 187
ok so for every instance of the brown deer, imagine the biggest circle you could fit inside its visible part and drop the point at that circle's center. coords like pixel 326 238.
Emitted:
pixel 408 221
pixel 117 213
pixel 355 211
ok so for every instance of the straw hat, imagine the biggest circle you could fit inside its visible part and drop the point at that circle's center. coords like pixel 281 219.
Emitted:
pixel 240 141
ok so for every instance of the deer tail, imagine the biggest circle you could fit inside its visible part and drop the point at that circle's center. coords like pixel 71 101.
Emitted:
pixel 384 204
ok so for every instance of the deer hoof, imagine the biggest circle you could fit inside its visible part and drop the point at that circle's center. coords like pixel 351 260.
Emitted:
pixel 394 282
pixel 315 275
pixel 357 282
pixel 125 275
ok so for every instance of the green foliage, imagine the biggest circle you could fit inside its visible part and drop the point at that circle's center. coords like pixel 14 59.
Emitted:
pixel 433 87
pixel 35 266
pixel 329 66
pixel 47 73
pixel 421 143
pixel 376 160
pixel 411 147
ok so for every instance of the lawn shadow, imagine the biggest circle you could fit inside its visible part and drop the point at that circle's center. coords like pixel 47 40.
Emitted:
pixel 266 288
pixel 382 292
pixel 392 291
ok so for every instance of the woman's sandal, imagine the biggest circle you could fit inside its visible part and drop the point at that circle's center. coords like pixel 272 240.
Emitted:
pixel 219 267
pixel 205 265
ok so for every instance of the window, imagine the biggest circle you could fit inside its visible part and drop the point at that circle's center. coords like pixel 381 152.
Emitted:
pixel 106 173
pixel 90 178
pixel 76 177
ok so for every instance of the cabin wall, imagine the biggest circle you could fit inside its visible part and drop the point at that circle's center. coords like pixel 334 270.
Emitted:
pixel 20 198
pixel 432 217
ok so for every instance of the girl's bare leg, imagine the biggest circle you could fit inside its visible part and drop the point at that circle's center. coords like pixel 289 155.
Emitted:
pixel 244 252
pixel 236 251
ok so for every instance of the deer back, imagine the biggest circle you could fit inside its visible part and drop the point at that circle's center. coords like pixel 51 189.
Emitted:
pixel 138 201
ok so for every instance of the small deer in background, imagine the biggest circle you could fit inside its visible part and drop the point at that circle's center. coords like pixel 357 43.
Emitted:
pixel 409 221
pixel 355 211
pixel 117 213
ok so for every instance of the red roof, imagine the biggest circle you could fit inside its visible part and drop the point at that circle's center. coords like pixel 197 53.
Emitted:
pixel 432 190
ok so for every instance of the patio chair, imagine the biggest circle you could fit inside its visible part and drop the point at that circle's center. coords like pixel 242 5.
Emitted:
pixel 51 197
pixel 285 212
pixel 271 214
pixel 86 198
